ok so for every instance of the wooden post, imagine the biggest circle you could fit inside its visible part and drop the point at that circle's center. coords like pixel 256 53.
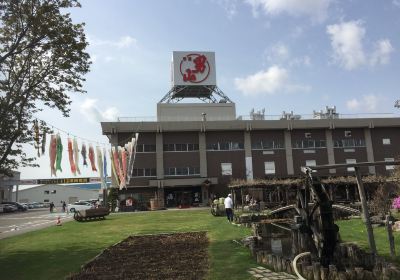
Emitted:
pixel 331 192
pixel 241 193
pixel 389 222
pixel 365 212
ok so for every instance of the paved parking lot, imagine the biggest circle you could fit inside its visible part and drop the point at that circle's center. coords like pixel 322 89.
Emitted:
pixel 20 222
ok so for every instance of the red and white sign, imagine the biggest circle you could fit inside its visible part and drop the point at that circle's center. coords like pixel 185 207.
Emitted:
pixel 193 68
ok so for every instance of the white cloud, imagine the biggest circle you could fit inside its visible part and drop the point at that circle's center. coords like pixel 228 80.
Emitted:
pixel 275 79
pixel 229 6
pixel 353 104
pixel 123 42
pixel 368 103
pixel 90 110
pixel 297 32
pixel 346 41
pixel 382 52
pixel 316 9
pixel 348 49
pixel 279 53
pixel 109 59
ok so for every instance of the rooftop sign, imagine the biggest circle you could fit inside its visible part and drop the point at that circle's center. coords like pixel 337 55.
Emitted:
pixel 193 68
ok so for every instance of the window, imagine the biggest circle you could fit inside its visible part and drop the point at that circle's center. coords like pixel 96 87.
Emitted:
pixel 225 146
pixel 269 167
pixel 46 192
pixel 349 143
pixel 386 141
pixel 307 144
pixel 311 162
pixel 180 147
pixel 181 171
pixel 226 168
pixel 350 161
pixel 46 200
pixel 307 135
pixel 389 167
pixel 53 191
pixel 267 145
pixel 145 148
pixel 347 133
pixel 144 172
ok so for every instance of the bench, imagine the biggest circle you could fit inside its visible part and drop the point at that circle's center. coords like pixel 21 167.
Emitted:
pixel 91 214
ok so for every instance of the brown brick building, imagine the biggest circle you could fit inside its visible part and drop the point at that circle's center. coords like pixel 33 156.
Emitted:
pixel 194 149
pixel 182 158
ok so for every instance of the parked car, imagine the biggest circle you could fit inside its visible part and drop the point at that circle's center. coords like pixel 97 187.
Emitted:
pixel 19 206
pixel 6 208
pixel 34 205
pixel 77 206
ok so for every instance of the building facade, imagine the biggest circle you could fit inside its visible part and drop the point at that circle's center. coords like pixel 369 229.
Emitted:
pixel 55 194
pixel 192 159
pixel 193 150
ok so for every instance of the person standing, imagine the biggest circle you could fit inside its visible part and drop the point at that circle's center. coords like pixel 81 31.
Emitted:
pixel 64 206
pixel 229 207
pixel 51 207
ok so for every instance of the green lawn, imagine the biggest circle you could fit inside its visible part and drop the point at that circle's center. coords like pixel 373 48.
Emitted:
pixel 355 231
pixel 54 252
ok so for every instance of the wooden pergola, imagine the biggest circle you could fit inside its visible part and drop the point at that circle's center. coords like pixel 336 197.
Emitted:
pixel 354 180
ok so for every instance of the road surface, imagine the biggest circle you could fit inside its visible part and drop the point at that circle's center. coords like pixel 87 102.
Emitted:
pixel 12 224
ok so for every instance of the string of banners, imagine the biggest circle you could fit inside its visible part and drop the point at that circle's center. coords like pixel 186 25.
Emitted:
pixel 121 158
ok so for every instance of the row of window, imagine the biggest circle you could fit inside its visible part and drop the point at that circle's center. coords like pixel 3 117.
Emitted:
pixel 225 146
pixel 181 171
pixel 226 169
pixel 349 143
pixel 309 143
pixel 266 145
pixel 180 147
pixel 269 166
pixel 144 172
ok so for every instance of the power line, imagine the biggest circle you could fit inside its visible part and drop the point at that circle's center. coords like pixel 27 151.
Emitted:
pixel 76 136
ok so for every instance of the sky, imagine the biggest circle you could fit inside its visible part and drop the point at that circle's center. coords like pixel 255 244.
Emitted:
pixel 281 55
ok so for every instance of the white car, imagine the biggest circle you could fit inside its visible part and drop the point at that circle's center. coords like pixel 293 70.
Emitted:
pixel 77 206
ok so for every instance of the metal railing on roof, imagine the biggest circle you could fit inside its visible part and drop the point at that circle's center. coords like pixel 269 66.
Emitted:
pixel 276 117
pixel 137 119
pixel 312 116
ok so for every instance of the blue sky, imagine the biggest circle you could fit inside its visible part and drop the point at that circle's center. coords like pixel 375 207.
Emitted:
pixel 273 54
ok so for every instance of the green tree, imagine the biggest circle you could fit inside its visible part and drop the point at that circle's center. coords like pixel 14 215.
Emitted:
pixel 42 61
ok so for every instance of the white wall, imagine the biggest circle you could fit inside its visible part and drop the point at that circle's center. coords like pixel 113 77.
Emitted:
pixel 193 111
pixel 62 193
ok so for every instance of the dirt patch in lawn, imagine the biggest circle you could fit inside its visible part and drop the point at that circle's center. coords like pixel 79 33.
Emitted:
pixel 163 256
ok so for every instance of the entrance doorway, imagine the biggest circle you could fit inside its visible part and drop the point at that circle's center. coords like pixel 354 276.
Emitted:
pixel 183 197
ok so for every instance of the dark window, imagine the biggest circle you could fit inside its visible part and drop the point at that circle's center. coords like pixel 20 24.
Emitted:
pixel 46 192
pixel 149 148
pixel 46 200
pixel 225 146
pixel 134 172
pixel 139 148
pixel 309 144
pixel 349 143
pixel 53 191
pixel 140 172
